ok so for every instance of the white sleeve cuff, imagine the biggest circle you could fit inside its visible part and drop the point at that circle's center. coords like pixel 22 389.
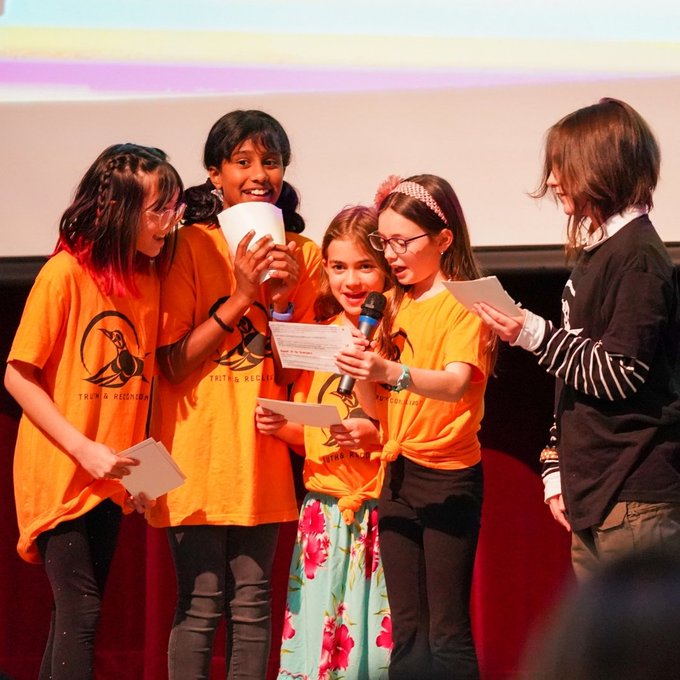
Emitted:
pixel 552 485
pixel 533 330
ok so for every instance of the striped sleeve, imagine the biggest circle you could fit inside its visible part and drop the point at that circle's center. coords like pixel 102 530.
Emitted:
pixel 586 366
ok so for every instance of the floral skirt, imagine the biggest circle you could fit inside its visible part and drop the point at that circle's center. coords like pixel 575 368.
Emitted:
pixel 337 616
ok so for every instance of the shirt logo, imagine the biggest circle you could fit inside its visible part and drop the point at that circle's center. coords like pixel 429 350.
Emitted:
pixel 569 294
pixel 116 359
pixel 248 345
pixel 347 404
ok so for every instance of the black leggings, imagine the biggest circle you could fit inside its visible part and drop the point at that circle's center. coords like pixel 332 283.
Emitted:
pixel 77 555
pixel 429 525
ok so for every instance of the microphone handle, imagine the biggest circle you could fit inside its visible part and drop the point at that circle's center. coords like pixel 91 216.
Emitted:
pixel 367 327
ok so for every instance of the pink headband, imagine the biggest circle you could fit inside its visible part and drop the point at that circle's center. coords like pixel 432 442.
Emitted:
pixel 394 184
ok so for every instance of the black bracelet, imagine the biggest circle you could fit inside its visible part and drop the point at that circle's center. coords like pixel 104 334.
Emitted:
pixel 221 323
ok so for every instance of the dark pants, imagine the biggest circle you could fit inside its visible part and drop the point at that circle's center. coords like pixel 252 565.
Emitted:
pixel 429 525
pixel 77 555
pixel 222 570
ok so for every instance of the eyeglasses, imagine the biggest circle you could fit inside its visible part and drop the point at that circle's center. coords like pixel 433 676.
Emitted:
pixel 165 218
pixel 398 245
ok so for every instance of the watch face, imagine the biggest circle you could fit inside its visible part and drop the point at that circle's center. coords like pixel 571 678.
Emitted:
pixel 404 380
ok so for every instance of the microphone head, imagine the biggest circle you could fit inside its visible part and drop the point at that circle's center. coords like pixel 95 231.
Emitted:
pixel 374 305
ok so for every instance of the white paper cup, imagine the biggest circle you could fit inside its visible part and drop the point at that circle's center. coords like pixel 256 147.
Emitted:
pixel 262 218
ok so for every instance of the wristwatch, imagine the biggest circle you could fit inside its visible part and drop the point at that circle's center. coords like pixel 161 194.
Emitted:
pixel 403 381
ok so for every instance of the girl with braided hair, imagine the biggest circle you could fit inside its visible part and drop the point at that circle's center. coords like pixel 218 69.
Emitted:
pixel 81 367
pixel 425 383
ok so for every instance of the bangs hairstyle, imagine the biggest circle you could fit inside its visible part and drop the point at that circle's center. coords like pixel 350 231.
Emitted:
pixel 457 263
pixel 607 159
pixel 101 226
pixel 353 223
pixel 225 136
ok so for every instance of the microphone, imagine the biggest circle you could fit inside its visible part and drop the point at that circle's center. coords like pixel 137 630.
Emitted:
pixel 371 312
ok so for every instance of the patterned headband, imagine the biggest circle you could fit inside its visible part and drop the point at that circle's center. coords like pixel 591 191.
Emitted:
pixel 414 190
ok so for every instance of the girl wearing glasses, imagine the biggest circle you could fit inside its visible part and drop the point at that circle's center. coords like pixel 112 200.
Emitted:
pixel 216 359
pixel 425 383
pixel 81 367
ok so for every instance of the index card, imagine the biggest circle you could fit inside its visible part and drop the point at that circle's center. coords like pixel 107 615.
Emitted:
pixel 157 472
pixel 487 289
pixel 318 415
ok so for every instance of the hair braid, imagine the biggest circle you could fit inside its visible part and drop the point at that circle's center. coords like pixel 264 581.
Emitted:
pixel 104 189
pixel 122 163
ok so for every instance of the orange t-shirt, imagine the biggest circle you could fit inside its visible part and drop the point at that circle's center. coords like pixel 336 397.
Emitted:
pixel 350 476
pixel 96 355
pixel 235 475
pixel 308 257
pixel 430 334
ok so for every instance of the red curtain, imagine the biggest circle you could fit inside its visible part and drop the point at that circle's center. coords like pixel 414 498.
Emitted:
pixel 522 564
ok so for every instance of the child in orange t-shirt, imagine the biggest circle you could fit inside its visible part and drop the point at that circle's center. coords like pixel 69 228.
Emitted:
pixel 337 615
pixel 81 367
pixel 426 385
pixel 216 359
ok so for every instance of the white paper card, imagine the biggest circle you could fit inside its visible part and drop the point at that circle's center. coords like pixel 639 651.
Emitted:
pixel 318 415
pixel 487 289
pixel 157 472
pixel 258 216
pixel 262 218
pixel 310 346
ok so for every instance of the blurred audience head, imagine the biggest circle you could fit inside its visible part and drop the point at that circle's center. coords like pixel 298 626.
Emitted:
pixel 622 624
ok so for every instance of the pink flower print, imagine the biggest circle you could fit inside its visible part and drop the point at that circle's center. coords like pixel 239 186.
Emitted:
pixel 326 648
pixel 342 646
pixel 336 645
pixel 314 553
pixel 288 630
pixel 324 666
pixel 328 630
pixel 384 638
pixel 315 542
pixel 372 557
pixel 312 520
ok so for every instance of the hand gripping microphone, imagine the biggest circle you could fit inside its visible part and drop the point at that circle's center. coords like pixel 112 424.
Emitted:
pixel 371 312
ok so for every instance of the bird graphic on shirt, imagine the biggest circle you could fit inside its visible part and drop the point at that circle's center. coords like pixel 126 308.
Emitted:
pixel 347 404
pixel 251 350
pixel 122 367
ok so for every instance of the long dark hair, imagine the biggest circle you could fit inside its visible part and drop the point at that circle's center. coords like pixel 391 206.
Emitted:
pixel 225 136
pixel 101 226
pixel 607 159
